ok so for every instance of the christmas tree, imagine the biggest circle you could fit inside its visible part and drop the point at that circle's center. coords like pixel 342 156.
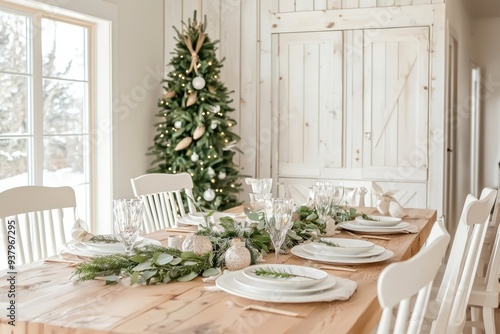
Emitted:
pixel 194 131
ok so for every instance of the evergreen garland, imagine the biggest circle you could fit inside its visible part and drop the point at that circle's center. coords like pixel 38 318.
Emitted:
pixel 156 264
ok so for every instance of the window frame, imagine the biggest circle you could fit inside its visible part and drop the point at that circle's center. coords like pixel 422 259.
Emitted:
pixel 99 42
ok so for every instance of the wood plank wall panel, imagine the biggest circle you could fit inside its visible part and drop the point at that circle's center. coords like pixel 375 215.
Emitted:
pixel 320 4
pixel 213 10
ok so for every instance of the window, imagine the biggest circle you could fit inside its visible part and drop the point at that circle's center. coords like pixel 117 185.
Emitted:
pixel 55 110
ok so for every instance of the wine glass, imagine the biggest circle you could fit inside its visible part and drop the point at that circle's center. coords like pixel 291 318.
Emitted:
pixel 257 201
pixel 278 213
pixel 323 200
pixel 127 221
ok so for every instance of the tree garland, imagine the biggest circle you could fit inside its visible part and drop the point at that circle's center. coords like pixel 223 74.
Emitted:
pixel 156 264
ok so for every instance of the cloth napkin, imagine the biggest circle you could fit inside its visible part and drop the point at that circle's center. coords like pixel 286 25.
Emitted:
pixel 386 203
pixel 79 231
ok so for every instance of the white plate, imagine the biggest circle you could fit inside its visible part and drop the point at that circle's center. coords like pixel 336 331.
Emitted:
pixel 346 246
pixel 381 221
pixel 307 276
pixel 310 248
pixel 262 287
pixel 356 227
pixel 301 252
pixel 86 248
pixel 229 284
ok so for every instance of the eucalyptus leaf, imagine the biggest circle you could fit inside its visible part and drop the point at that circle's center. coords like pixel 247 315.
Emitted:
pixel 147 274
pixel 188 277
pixel 139 258
pixel 163 259
pixel 176 261
pixel 211 272
pixel 143 266
pixel 190 263
pixel 134 278
pixel 189 255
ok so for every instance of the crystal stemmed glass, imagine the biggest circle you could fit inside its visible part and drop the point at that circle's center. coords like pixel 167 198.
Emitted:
pixel 127 221
pixel 278 214
pixel 257 201
pixel 323 200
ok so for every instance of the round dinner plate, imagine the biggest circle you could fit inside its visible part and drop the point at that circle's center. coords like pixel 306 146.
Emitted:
pixel 343 246
pixel 86 248
pixel 305 276
pixel 310 248
pixel 381 221
pixel 301 252
pixel 229 283
pixel 258 286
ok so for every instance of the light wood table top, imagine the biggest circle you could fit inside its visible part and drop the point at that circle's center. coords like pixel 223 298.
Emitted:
pixel 49 302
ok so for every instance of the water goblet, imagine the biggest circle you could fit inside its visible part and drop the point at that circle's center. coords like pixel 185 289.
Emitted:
pixel 257 201
pixel 323 200
pixel 278 214
pixel 127 221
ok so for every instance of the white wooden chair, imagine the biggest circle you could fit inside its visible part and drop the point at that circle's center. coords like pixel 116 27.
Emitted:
pixel 165 197
pixel 485 294
pixel 44 217
pixel 401 281
pixel 449 308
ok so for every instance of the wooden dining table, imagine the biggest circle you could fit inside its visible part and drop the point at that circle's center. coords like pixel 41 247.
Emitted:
pixel 49 301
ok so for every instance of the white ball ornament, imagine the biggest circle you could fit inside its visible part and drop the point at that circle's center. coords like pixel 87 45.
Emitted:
pixel 213 125
pixel 209 195
pixel 237 256
pixel 216 109
pixel 210 172
pixel 222 175
pixel 198 83
pixel 178 124
pixel 195 157
pixel 198 244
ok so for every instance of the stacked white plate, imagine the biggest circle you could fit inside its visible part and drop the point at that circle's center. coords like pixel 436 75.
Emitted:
pixel 307 285
pixel 376 225
pixel 87 248
pixel 341 250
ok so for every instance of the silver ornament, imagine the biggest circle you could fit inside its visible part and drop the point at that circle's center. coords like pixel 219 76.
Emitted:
pixel 209 195
pixel 213 125
pixel 194 157
pixel 222 175
pixel 178 124
pixel 210 172
pixel 198 83
pixel 237 256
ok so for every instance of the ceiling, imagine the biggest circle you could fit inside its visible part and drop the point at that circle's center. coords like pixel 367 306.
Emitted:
pixel 482 8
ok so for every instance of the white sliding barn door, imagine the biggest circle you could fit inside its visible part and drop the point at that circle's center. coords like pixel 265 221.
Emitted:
pixel 309 103
pixel 396 104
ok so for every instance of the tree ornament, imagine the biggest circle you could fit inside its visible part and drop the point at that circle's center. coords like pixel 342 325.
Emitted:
pixel 198 83
pixel 184 143
pixel 212 89
pixel 198 244
pixel 222 175
pixel 215 109
pixel 237 256
pixel 210 172
pixel 194 157
pixel 213 125
pixel 192 98
pixel 169 94
pixel 198 132
pixel 209 195
pixel 178 124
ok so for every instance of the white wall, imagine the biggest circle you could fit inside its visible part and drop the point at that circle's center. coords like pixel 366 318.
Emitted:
pixel 486 46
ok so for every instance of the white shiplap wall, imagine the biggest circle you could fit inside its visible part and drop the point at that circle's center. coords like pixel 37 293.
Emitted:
pixel 244 28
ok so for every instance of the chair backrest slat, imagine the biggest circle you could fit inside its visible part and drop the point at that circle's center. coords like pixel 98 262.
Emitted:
pixel 400 281
pixel 456 285
pixel 165 197
pixel 41 225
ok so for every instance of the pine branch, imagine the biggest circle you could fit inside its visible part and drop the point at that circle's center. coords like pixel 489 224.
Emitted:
pixel 276 273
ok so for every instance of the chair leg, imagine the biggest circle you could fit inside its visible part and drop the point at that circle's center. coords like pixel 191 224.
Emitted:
pixel 489 320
